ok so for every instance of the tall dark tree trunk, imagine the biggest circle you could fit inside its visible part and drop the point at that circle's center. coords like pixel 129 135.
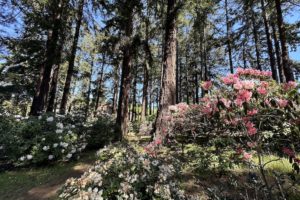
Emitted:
pixel 53 88
pixel 229 39
pixel 122 113
pixel 87 108
pixel 41 94
pixel 70 72
pixel 145 92
pixel 177 73
pixel 288 72
pixel 269 41
pixel 187 89
pixel 134 91
pixel 256 38
pixel 196 85
pixel 116 89
pixel 168 89
pixel 278 54
pixel 99 89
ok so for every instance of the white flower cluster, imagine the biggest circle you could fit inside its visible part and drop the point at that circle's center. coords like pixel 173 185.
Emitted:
pixel 122 166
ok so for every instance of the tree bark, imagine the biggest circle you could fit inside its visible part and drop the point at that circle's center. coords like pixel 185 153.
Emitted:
pixel 122 113
pixel 256 38
pixel 145 92
pixel 99 91
pixel 229 39
pixel 52 94
pixel 278 54
pixel 87 108
pixel 168 90
pixel 70 72
pixel 41 94
pixel 288 72
pixel 269 42
pixel 116 89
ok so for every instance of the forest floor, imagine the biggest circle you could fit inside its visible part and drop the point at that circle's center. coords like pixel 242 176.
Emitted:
pixel 42 182
pixel 197 176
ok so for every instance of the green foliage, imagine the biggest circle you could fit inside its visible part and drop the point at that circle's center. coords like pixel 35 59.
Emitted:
pixel 123 173
pixel 38 140
pixel 101 132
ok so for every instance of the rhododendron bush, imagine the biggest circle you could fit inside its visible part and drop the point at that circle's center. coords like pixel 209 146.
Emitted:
pixel 260 115
pixel 249 106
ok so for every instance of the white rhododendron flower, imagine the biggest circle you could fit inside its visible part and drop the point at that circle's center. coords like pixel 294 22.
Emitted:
pixel 58 131
pixel 39 117
pixel 60 125
pixel 50 119
pixel 29 157
pixel 55 145
pixel 50 157
pixel 70 132
pixel 22 158
pixel 46 148
pixel 69 155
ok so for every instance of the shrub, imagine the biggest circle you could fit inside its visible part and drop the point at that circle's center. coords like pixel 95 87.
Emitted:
pixel 122 173
pixel 38 140
pixel 248 106
pixel 101 132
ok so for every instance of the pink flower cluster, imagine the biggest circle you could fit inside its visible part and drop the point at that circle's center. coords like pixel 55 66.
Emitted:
pixel 243 96
pixel 230 79
pixel 207 85
pixel 289 86
pixel 254 72
pixel 282 103
pixel 251 128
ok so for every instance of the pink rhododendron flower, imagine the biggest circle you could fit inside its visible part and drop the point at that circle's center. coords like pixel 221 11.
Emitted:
pixel 252 112
pixel 226 102
pixel 248 85
pixel 182 107
pixel 206 85
pixel 247 156
pixel 251 128
pixel 262 91
pixel 238 102
pixel 244 95
pixel 238 86
pixel 282 103
pixel 254 72
pixel 289 86
pixel 230 79
pixel 264 84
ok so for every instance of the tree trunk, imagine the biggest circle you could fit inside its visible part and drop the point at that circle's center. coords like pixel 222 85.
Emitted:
pixel 87 108
pixel 168 90
pixel 99 91
pixel 288 72
pixel 134 91
pixel 52 95
pixel 145 92
pixel 229 40
pixel 269 42
pixel 41 94
pixel 116 89
pixel 278 54
pixel 122 113
pixel 256 38
pixel 70 72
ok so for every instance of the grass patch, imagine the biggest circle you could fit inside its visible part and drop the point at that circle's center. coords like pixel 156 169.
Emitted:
pixel 16 184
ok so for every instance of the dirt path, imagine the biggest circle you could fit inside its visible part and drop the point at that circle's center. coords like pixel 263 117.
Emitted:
pixel 49 190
